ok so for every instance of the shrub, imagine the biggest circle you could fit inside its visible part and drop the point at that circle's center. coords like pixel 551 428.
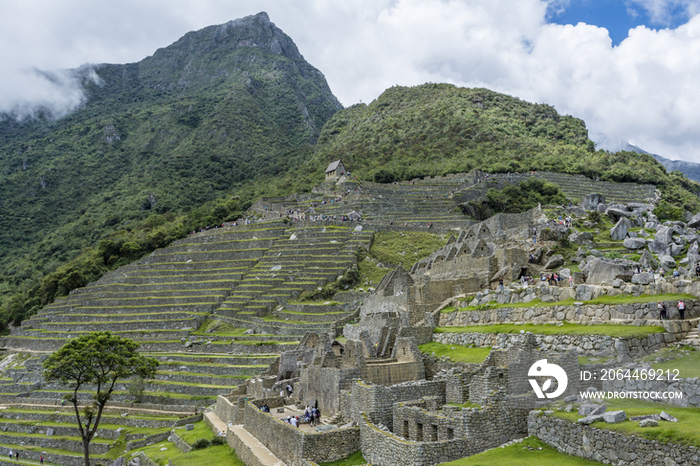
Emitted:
pixel 594 216
pixel 201 444
pixel 218 440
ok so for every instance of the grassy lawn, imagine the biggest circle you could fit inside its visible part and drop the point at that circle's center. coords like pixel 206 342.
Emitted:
pixel 530 452
pixel 614 330
pixel 456 353
pixel 201 430
pixel 214 327
pixel 686 361
pixel 217 455
pixel 397 248
pixel 685 432
pixel 591 360
pixel 619 299
pixel 355 459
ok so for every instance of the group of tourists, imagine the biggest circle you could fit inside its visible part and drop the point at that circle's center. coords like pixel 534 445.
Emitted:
pixel 663 310
pixel 312 416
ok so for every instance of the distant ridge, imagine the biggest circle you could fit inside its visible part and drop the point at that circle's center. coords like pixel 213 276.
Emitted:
pixel 689 169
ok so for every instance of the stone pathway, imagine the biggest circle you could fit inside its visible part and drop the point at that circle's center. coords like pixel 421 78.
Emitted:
pixel 264 456
pixel 215 421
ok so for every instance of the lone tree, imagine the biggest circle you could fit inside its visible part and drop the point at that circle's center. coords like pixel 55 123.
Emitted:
pixel 98 359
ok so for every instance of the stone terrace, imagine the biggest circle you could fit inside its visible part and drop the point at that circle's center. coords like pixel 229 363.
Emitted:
pixel 302 259
pixel 236 275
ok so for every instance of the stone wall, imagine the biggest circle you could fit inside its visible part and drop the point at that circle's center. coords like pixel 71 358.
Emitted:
pixel 608 446
pixel 179 443
pixel 590 345
pixel 291 444
pixel 226 409
pixel 378 400
pixel 382 448
pixel 582 313
pixel 147 441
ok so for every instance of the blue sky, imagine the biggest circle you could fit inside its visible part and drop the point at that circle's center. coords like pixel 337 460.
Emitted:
pixel 617 16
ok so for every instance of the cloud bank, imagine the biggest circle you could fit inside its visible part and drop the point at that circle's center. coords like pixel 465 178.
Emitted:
pixel 644 91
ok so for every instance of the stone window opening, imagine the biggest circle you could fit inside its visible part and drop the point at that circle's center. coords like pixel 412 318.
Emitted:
pixel 450 433
pixel 405 430
pixel 433 433
pixel 419 432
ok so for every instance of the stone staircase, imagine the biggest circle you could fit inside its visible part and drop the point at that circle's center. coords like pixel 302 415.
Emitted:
pixel 691 339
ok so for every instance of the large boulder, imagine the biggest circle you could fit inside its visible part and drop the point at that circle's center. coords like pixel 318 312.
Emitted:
pixel 676 249
pixel 667 262
pixel 619 231
pixel 695 221
pixel 580 237
pixel 665 234
pixel 591 201
pixel 554 262
pixel 659 248
pixel 643 278
pixel 616 213
pixel 648 261
pixel 634 243
pixel 605 271
pixel 694 248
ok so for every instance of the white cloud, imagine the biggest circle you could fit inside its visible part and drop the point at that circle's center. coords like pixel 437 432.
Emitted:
pixel 643 91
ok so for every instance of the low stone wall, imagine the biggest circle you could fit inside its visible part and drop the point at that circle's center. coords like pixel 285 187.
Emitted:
pixel 584 313
pixel 147 441
pixel 590 345
pixel 179 443
pixel 607 446
pixel 56 443
pixel 291 444
pixel 51 458
pixel 382 448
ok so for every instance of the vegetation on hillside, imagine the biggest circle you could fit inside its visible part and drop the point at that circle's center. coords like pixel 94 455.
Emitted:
pixel 436 129
pixel 515 198
pixel 186 138
pixel 193 135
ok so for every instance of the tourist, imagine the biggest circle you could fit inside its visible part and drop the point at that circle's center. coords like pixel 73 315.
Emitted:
pixel 289 391
pixel 11 455
pixel 697 270
pixel 675 273
pixel 681 309
pixel 41 460
pixel 312 419
pixel 571 281
pixel 500 284
pixel 662 310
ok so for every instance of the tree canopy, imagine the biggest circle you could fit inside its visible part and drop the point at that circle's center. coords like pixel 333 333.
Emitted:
pixel 98 359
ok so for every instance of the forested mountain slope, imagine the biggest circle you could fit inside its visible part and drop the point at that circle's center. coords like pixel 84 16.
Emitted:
pixel 193 123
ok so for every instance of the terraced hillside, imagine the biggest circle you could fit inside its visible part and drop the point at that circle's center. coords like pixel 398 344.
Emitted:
pixel 181 305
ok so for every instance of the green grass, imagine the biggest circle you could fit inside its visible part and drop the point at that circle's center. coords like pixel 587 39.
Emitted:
pixel 218 455
pixel 530 452
pixel 686 361
pixel 201 430
pixel 458 354
pixel 397 248
pixel 685 432
pixel 464 405
pixel 355 459
pixel 619 299
pixel 589 360
pixel 613 330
